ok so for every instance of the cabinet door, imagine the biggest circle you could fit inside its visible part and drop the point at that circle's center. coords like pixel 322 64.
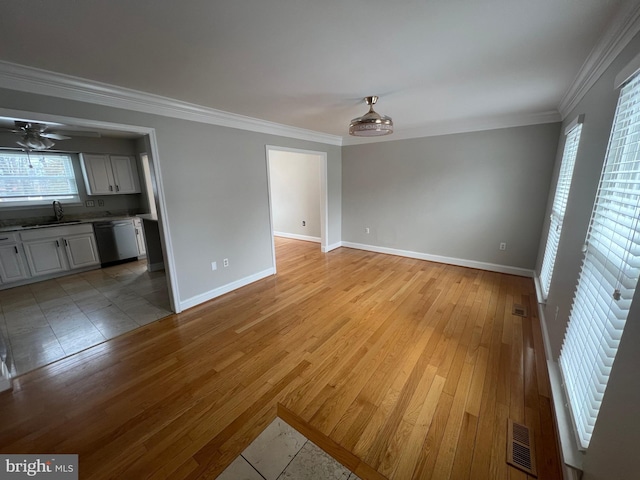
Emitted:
pixel 98 175
pixel 125 174
pixel 82 250
pixel 12 267
pixel 45 256
pixel 142 249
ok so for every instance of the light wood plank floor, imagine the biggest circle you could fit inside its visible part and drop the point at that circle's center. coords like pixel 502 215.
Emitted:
pixel 408 368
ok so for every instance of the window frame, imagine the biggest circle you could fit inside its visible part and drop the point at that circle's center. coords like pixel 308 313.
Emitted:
pixel 559 204
pixel 38 201
pixel 609 273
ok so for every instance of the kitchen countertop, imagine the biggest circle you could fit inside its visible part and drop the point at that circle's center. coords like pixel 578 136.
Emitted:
pixel 17 228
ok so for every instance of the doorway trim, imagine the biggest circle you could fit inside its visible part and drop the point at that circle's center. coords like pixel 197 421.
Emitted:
pixel 324 199
pixel 170 268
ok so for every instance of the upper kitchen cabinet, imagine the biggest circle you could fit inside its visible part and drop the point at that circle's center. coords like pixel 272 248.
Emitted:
pixel 109 174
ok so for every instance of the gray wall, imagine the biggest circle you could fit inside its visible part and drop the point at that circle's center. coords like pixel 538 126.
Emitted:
pixel 215 184
pixel 612 452
pixel 452 195
pixel 116 204
pixel 295 192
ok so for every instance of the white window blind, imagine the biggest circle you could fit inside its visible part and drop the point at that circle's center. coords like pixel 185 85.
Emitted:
pixel 559 206
pixel 609 272
pixel 36 178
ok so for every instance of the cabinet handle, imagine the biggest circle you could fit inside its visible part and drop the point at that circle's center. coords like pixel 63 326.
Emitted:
pixel 110 188
pixel 66 244
pixel 16 249
pixel 57 244
pixel 4 238
pixel 117 188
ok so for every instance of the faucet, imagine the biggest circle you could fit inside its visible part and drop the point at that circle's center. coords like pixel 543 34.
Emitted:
pixel 57 210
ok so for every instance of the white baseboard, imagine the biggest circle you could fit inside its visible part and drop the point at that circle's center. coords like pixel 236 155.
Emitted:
pixel 211 294
pixel 295 236
pixel 493 267
pixel 5 378
pixel 333 246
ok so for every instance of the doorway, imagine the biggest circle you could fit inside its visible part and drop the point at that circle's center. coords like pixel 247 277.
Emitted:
pixel 297 182
pixel 63 314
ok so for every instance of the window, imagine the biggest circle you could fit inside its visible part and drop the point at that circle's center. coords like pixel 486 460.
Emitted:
pixel 610 270
pixel 36 178
pixel 560 203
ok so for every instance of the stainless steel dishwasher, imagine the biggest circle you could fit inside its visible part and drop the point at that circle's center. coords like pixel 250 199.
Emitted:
pixel 116 240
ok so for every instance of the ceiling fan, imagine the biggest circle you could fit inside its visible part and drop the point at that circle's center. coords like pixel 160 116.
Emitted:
pixel 35 136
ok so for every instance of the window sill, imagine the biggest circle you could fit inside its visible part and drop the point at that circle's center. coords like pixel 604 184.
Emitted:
pixel 571 454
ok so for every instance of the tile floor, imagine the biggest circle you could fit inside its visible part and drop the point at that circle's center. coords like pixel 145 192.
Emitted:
pixel 280 452
pixel 46 321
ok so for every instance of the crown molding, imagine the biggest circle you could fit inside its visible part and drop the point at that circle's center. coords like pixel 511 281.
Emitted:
pixel 44 82
pixel 462 126
pixel 622 28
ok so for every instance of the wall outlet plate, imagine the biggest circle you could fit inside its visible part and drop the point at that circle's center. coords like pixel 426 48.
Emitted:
pixel 101 203
pixel 90 203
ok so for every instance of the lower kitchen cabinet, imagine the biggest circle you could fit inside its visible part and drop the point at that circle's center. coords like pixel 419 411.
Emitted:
pixel 12 265
pixel 45 256
pixel 82 250
pixel 58 249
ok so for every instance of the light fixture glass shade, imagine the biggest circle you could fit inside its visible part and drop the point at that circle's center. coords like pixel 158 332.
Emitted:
pixel 371 124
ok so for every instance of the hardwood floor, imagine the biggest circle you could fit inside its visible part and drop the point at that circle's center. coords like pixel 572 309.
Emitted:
pixel 408 369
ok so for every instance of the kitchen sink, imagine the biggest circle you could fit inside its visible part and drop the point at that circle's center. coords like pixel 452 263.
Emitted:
pixel 53 223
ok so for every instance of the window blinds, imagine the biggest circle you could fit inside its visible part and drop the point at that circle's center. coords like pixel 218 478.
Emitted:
pixel 609 272
pixel 559 206
pixel 37 176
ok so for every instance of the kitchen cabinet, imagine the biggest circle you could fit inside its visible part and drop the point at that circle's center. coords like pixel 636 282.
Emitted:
pixel 109 174
pixel 12 263
pixel 82 250
pixel 142 249
pixel 58 249
pixel 45 256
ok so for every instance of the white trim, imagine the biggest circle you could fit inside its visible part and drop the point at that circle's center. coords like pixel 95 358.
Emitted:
pixel 295 236
pixel 5 378
pixel 333 246
pixel 627 72
pixel 229 287
pixel 571 455
pixel 462 126
pixel 624 26
pixel 492 267
pixel 43 82
pixel 574 123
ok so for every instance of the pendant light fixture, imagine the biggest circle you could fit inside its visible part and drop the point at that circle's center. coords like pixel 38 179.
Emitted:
pixel 371 124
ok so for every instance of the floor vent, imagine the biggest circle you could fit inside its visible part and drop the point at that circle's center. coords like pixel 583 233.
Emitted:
pixel 519 310
pixel 520 451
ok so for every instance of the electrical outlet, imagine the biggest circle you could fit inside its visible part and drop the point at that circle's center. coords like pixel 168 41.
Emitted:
pixel 214 265
pixel 503 245
pixel 367 231
pixel 304 224
pixel 90 203
pixel 225 262
pixel 101 203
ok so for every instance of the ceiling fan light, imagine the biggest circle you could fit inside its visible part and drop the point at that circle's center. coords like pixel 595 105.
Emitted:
pixel 371 124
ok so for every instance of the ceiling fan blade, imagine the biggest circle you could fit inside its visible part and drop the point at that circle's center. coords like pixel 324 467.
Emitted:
pixel 54 136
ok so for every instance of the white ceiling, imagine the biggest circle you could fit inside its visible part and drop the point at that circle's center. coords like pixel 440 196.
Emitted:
pixel 309 63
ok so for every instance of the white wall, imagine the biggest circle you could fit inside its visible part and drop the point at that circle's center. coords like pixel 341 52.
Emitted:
pixel 612 453
pixel 456 196
pixel 295 193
